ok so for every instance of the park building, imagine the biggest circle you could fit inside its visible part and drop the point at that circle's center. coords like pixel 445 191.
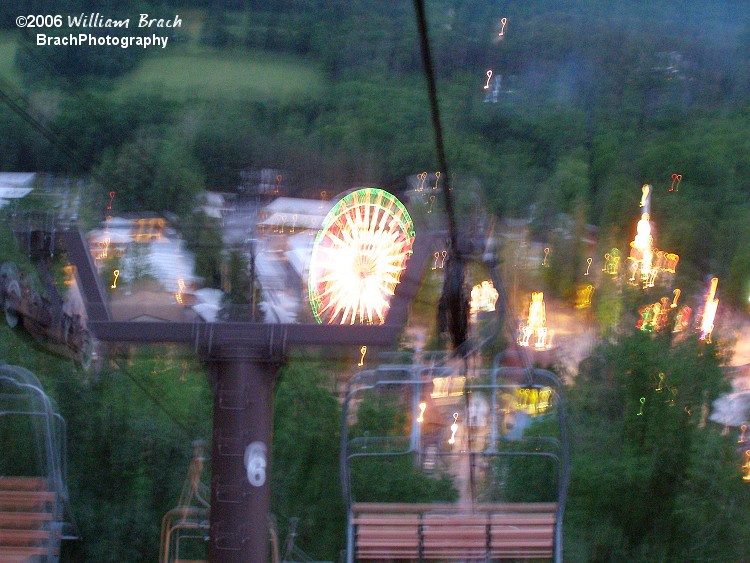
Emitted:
pixel 286 230
pixel 15 186
pixel 144 258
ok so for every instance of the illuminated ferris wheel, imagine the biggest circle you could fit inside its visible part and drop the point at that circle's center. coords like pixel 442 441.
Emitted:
pixel 358 257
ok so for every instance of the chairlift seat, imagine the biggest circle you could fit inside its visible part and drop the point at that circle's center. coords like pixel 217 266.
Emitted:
pixel 444 531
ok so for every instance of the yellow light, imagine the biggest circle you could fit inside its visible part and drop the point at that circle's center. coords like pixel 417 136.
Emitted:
pixel 180 290
pixel 661 382
pixel 106 248
pixel 536 323
pixel 746 466
pixel 643 400
pixel 483 297
pixel 709 312
pixel 363 351
pixel 533 400
pixel 69 270
pixel 646 197
pixel 583 296
pixel 450 386
pixel 422 407
pixel 454 428
pixel 612 262
pixel 116 273
pixel 675 178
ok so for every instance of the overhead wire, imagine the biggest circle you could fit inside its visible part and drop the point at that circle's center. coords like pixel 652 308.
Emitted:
pixel 154 399
pixel 454 278
pixel 453 308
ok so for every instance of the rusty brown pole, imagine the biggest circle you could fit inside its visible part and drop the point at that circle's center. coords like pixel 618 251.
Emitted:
pixel 243 380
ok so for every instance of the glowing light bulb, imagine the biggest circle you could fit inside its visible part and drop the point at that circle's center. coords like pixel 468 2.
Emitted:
pixel 422 179
pixel 180 289
pixel 536 322
pixel 116 273
pixel 489 77
pixel 546 254
pixel 454 428
pixel 363 351
pixel 422 407
pixel 588 261
pixel 676 294
pixel 709 312
pixel 661 381
pixel 640 412
pixel 646 197
pixel 503 22
pixel 675 178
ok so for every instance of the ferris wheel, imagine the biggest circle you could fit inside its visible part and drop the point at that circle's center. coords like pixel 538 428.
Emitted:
pixel 358 257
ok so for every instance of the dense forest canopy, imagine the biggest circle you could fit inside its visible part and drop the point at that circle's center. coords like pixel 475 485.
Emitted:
pixel 595 100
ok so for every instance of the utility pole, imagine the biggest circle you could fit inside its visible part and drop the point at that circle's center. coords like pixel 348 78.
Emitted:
pixel 244 359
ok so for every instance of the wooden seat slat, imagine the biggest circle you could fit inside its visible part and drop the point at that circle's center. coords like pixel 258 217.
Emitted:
pixel 455 539
pixel 508 535
pixel 455 533
pixel 405 535
pixel 430 520
pixel 521 544
pixel 420 508
pixel 24 551
pixel 23 538
pixel 527 520
pixel 23 484
pixel 377 521
pixel 395 530
pixel 24 520
pixel 24 500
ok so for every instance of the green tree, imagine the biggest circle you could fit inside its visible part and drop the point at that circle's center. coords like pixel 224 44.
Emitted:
pixel 305 468
pixel 151 174
pixel 392 478
pixel 640 440
pixel 203 237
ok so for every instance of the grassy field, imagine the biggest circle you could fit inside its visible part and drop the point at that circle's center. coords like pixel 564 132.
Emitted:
pixel 7 56
pixel 204 75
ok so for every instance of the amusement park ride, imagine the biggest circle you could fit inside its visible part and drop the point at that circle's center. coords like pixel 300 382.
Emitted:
pixel 365 269
pixel 366 266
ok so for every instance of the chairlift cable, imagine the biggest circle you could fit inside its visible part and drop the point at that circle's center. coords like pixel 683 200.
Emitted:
pixel 154 399
pixel 435 114
pixel 453 308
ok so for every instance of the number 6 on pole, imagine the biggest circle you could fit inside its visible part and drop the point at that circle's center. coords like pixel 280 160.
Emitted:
pixel 255 463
